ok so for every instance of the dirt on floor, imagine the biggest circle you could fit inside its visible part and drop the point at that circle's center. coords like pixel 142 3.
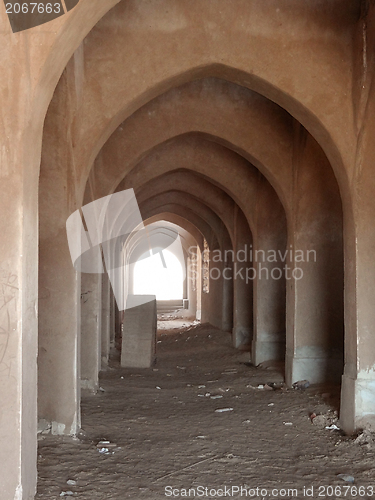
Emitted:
pixel 203 417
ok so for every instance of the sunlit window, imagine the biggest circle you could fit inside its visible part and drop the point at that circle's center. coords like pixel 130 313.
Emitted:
pixel 159 275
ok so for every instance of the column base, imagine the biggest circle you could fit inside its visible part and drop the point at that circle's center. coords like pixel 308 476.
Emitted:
pixel 271 348
pixel 58 429
pixel 242 338
pixel 90 385
pixel 357 402
pixel 314 364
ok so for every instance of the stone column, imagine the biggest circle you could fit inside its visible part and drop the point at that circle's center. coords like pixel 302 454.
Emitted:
pixel 112 331
pixel 357 408
pixel 315 294
pixel 192 284
pixel 226 283
pixel 106 320
pixel 269 238
pixel 139 333
pixel 18 298
pixel 243 287
pixel 199 285
pixel 59 284
pixel 91 310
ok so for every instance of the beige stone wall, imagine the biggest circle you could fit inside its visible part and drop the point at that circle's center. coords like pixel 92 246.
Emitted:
pixel 269 106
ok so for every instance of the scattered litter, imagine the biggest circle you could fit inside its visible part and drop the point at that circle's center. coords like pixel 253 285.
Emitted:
pixel 208 394
pixel 106 447
pixel 106 444
pixel 181 367
pixel 246 422
pixel 159 388
pixel 71 482
pixel 301 384
pixel 66 494
pixel 271 404
pixel 155 369
pixel 201 437
pixel 101 389
pixel 223 390
pixel 122 378
pixel 216 397
pixel 277 386
pixel 222 410
pixel 333 427
pixel 260 386
pixel 211 381
pixel 325 421
pixel 346 477
pixel 201 395
pixel 201 386
pixel 287 423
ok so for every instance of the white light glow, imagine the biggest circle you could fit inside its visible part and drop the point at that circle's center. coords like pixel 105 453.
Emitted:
pixel 152 278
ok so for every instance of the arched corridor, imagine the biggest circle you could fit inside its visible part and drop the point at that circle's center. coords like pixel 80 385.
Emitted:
pixel 207 162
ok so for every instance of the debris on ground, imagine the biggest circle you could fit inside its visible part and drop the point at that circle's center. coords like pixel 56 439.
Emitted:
pixel 222 410
pixel 328 420
pixel 346 477
pixel 366 438
pixel 106 447
pixel 158 446
pixel 278 386
pixel 333 427
pixel 301 385
pixel 270 386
